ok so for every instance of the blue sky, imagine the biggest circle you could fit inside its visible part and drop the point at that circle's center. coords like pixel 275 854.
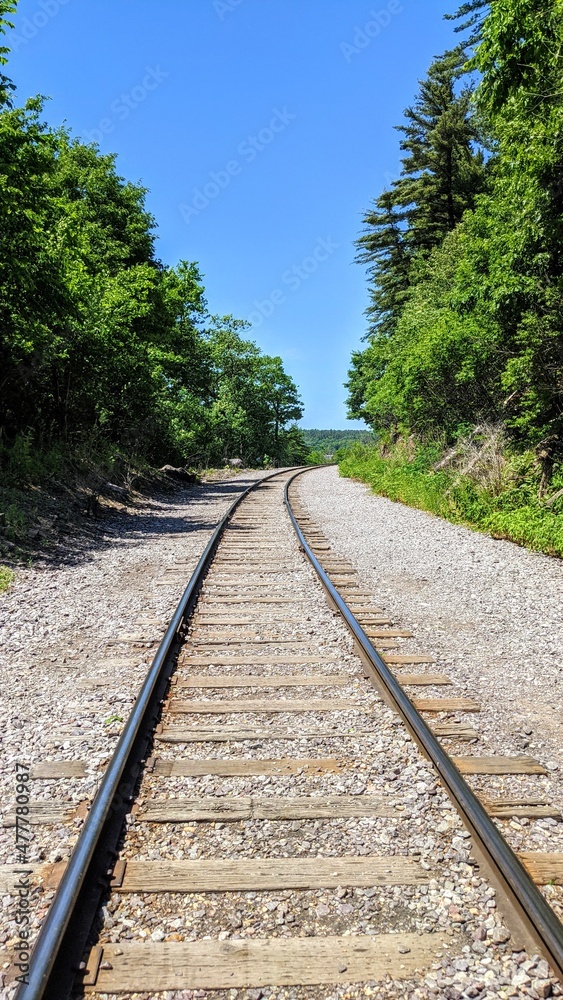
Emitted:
pixel 262 128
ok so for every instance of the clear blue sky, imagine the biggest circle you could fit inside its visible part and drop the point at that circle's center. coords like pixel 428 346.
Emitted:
pixel 263 129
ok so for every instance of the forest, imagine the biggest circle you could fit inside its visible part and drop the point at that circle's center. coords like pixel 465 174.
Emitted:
pixel 105 350
pixel 461 378
pixel 323 443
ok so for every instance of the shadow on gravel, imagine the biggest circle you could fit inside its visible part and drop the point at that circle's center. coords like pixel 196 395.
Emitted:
pixel 72 535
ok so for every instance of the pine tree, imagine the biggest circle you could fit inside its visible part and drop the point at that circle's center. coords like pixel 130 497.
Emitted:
pixel 472 14
pixel 442 171
pixel 383 247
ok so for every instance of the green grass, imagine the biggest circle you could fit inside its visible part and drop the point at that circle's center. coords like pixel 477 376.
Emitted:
pixel 515 513
pixel 7 576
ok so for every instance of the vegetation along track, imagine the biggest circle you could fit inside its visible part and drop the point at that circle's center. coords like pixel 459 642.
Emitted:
pixel 279 813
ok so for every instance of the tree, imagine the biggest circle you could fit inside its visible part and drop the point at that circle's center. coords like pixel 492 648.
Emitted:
pixel 383 247
pixel 281 398
pixel 478 332
pixel 99 340
pixel 6 86
pixel 443 172
pixel 520 58
pixel 254 398
pixel 472 15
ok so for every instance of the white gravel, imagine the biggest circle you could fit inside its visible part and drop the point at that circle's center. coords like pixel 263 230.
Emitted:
pixel 489 610
pixel 59 624
pixel 490 613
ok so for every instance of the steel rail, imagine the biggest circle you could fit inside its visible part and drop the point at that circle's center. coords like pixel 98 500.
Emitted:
pixel 56 956
pixel 533 920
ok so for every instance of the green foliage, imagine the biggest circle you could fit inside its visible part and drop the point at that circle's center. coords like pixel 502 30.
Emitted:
pixel 327 442
pixel 17 525
pixel 316 457
pixel 467 274
pixel 7 576
pixel 6 86
pixel 111 719
pixel 102 345
pixel 413 479
pixel 328 446
pixel 442 173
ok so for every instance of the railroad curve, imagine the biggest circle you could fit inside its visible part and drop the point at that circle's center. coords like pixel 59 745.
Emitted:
pixel 286 810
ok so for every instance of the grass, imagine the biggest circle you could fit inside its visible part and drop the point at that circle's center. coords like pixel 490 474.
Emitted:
pixel 512 511
pixel 7 576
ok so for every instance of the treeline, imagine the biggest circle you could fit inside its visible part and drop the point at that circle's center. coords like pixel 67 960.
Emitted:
pixel 330 441
pixel 465 249
pixel 101 343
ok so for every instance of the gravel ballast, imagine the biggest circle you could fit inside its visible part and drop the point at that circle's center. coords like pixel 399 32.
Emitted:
pixel 60 623
pixel 131 589
pixel 489 610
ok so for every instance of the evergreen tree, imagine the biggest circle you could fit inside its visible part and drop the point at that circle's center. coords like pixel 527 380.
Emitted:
pixel 383 248
pixel 442 171
pixel 472 14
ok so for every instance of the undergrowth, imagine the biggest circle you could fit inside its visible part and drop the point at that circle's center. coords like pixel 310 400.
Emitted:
pixel 477 484
pixel 42 487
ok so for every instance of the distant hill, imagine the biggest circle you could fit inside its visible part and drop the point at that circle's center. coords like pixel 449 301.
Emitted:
pixel 330 441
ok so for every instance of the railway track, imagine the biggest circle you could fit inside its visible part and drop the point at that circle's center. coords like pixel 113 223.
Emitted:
pixel 286 808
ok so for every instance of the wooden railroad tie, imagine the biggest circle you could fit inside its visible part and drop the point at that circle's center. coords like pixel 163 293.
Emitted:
pixel 233 810
pixel 227 734
pixel 499 765
pixel 417 680
pixel 267 705
pixel 234 768
pixel 263 875
pixel 446 705
pixel 543 868
pixel 400 659
pixel 44 812
pixel 387 633
pixel 529 807
pixel 235 601
pixel 132 967
pixel 56 769
pixel 259 680
pixel 264 659
pixel 454 730
pixel 209 618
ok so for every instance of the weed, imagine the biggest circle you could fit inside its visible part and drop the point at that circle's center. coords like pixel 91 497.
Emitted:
pixel 111 719
pixel 7 576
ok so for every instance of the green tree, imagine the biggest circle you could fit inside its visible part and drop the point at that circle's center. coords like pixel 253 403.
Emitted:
pixel 282 402
pixel 383 247
pixel 7 7
pixel 443 172
pixel 519 229
pixel 99 340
